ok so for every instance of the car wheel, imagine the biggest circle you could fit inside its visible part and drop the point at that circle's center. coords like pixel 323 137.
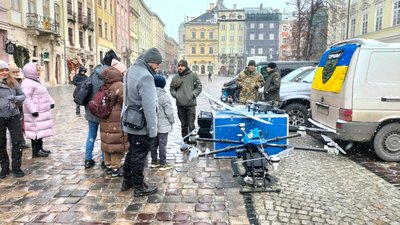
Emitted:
pixel 297 115
pixel 387 142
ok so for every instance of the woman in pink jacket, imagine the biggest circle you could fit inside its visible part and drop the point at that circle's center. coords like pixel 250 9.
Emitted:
pixel 37 109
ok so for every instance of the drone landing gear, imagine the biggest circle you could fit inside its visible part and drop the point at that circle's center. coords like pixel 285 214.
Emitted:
pixel 256 177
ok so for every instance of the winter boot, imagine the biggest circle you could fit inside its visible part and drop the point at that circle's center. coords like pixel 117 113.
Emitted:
pixel 144 189
pixel 41 146
pixel 127 183
pixel 37 151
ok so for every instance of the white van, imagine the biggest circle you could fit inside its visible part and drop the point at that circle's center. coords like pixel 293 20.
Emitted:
pixel 356 94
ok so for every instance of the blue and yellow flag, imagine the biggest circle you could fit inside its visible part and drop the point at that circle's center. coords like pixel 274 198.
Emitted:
pixel 332 68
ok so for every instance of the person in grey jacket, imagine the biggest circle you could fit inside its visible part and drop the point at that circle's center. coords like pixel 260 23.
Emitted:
pixel 94 121
pixel 185 87
pixel 140 92
pixel 166 119
pixel 11 95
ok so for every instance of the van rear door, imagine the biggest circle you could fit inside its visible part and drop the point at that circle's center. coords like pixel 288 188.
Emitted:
pixel 332 87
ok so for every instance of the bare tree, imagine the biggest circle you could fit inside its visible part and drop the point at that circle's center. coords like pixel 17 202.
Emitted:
pixel 306 26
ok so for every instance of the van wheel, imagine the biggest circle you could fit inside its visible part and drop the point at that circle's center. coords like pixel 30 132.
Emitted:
pixel 298 115
pixel 387 142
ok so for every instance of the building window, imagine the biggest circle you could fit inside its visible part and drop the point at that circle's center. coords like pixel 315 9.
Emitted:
pixel 81 39
pixel 210 50
pixel 222 38
pixel 241 27
pixel 99 3
pixel 231 38
pixel 396 13
pixel 193 34
pixel 232 26
pixel 201 50
pixel 284 40
pixel 240 51
pixel 252 25
pixel 223 50
pixel 90 42
pixel 271 26
pixel 223 27
pixel 32 6
pixel 364 28
pixel 112 33
pixel 240 38
pixel 231 50
pixel 379 18
pixel 261 26
pixel 105 30
pixel 193 50
pixel 251 36
pixel 202 35
pixel 71 36
pixel 260 36
pixel 271 36
pixel 111 7
pixel 15 5
pixel 253 51
pixel 260 51
pixel 100 28
pixel 211 35
pixel 105 4
pixel 353 27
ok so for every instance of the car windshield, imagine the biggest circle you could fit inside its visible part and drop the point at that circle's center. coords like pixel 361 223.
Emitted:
pixel 308 76
pixel 293 76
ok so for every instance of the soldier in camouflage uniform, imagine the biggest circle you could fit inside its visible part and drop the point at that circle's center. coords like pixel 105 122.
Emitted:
pixel 272 84
pixel 248 82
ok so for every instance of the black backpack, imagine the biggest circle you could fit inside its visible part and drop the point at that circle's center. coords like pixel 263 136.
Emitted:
pixel 83 92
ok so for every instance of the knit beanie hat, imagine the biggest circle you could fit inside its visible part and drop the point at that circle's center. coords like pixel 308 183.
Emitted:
pixel 118 65
pixel 251 63
pixel 82 69
pixel 3 65
pixel 159 81
pixel 109 56
pixel 152 56
pixel 271 65
pixel 183 62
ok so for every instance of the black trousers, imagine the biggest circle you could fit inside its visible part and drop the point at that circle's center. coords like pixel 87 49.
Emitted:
pixel 187 116
pixel 136 157
pixel 14 126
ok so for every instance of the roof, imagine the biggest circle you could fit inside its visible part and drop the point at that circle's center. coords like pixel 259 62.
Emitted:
pixel 210 16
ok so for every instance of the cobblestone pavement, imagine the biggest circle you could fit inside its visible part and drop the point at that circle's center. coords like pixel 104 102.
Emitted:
pixel 316 188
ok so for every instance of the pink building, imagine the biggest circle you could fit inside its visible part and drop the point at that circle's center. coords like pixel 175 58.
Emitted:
pixel 123 48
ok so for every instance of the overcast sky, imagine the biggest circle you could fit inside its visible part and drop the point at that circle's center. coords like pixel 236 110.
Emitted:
pixel 173 12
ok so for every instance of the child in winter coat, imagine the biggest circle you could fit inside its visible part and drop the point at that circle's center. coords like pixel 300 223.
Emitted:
pixel 166 119
pixel 11 95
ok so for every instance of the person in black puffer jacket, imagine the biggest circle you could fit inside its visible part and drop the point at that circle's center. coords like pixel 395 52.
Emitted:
pixel 79 78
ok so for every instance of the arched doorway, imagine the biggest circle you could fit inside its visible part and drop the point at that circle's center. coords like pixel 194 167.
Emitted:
pixel 222 71
pixel 203 69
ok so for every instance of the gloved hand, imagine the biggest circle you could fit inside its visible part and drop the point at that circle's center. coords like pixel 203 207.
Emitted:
pixel 10 105
pixel 11 97
pixel 52 106
pixel 35 114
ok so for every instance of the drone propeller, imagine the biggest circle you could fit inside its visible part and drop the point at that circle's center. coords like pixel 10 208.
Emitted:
pixel 329 140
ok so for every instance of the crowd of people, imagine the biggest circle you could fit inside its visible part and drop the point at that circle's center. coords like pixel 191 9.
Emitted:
pixel 26 105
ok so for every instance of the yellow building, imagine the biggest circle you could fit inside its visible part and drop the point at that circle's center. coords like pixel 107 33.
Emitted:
pixel 158 35
pixel 145 27
pixel 231 40
pixel 105 26
pixel 371 19
pixel 201 41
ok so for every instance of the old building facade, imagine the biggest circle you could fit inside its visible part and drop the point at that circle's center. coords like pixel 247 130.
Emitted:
pixel 262 34
pixel 371 19
pixel 79 33
pixel 231 32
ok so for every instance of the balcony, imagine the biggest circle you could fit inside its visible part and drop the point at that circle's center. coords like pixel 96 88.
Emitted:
pixel 71 16
pixel 44 25
pixel 87 23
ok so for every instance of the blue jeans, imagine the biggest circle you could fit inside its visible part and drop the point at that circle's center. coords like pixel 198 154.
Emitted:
pixel 91 138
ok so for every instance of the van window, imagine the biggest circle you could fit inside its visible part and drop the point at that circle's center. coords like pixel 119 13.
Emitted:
pixel 377 63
